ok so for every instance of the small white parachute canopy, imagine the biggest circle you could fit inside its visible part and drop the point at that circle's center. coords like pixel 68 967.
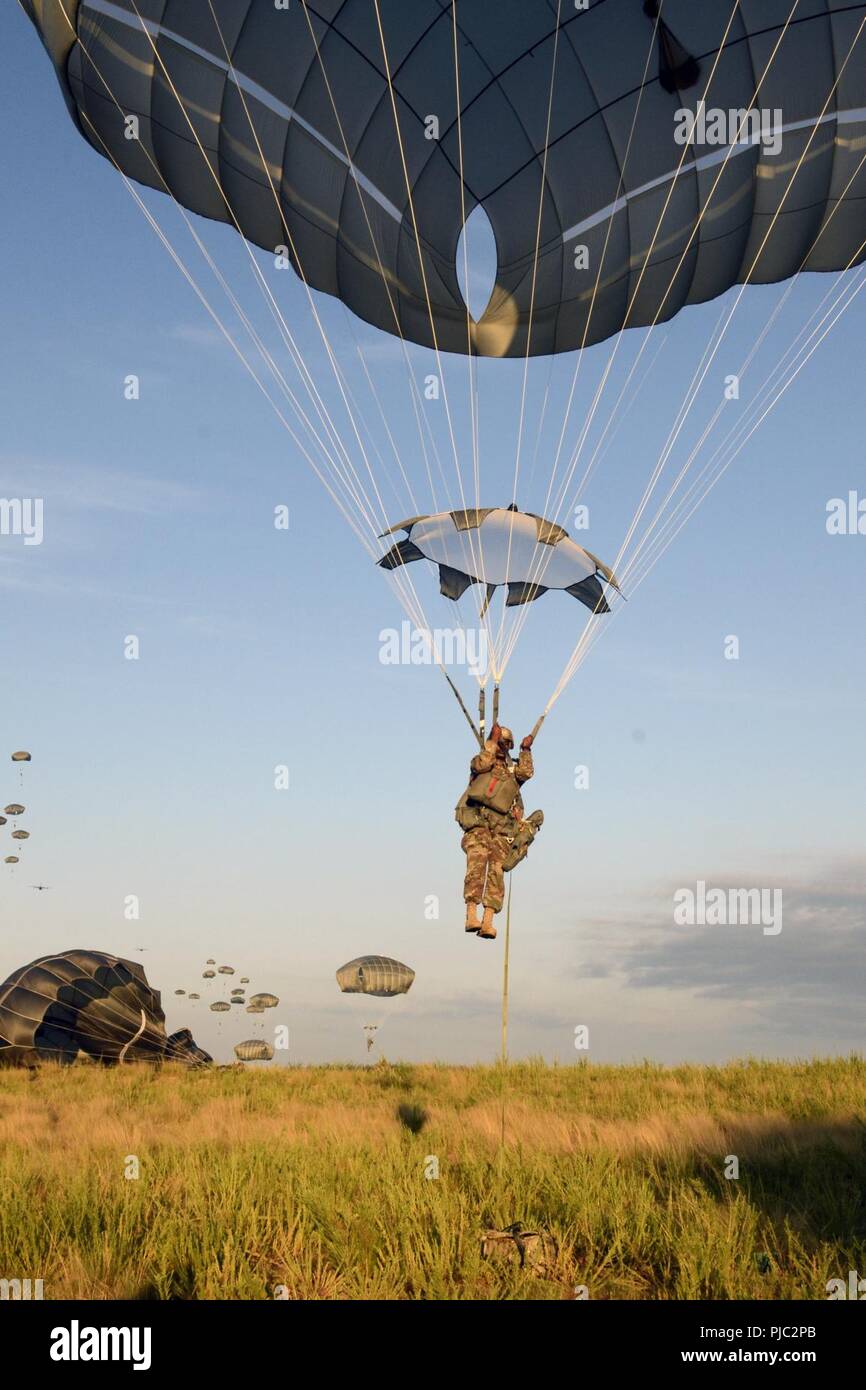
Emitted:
pixel 495 546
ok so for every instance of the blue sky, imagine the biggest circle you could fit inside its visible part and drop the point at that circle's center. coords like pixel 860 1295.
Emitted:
pixel 261 647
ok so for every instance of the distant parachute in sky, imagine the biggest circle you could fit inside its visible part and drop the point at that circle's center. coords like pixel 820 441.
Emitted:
pixel 180 991
pixel 245 979
pixel 378 975
pixel 255 1009
pixel 11 859
pixel 194 996
pixel 254 1050
pixel 210 962
pixel 20 835
pixel 220 1007
pixel 86 1001
pixel 265 1001
pixel 209 975
pixel 14 809
pixel 226 970
pixel 21 757
pixel 2 820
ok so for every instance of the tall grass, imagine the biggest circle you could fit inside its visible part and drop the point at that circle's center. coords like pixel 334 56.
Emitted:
pixel 319 1182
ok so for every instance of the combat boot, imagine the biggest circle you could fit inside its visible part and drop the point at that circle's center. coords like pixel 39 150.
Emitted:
pixel 487 929
pixel 472 923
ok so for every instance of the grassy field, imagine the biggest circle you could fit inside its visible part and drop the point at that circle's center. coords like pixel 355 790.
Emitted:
pixel 313 1182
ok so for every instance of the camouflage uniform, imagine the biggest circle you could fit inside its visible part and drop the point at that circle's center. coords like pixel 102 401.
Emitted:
pixel 488 846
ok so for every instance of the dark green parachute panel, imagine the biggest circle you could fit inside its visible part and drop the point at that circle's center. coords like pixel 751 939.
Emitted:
pixel 86 1001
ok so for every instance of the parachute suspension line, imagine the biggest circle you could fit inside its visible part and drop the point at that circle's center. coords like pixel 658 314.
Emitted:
pixel 382 275
pixel 482 696
pixel 601 450
pixel 459 698
pixel 576 454
pixel 345 479
pixel 684 410
pixel 534 285
pixel 563 489
pixel 496 705
pixel 285 331
pixel 709 355
pixel 673 525
pixel 422 268
pixel 350 480
pixel 475 565
pixel 595 289
pixel 670 526
pixel 267 357
pixel 470 356
pixel 541 565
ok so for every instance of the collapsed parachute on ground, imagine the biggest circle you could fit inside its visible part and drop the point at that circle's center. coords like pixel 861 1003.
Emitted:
pixel 355 201
pixel 91 1002
pixel 378 975
pixel 496 546
pixel 254 1050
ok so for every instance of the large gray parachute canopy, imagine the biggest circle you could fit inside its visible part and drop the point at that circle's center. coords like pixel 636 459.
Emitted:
pixel 321 132
pixel 493 546
pixel 379 975
pixel 89 1002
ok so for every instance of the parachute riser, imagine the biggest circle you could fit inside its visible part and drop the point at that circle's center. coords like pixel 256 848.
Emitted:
pixel 459 698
